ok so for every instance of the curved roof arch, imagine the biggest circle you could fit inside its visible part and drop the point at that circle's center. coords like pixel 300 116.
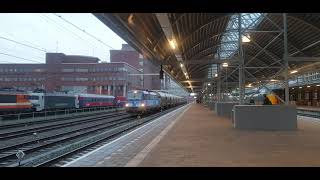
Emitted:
pixel 200 37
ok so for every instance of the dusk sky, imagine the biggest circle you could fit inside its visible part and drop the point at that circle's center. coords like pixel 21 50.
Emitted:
pixel 46 32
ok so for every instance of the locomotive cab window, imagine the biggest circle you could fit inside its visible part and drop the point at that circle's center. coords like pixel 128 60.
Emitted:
pixel 33 97
pixel 133 95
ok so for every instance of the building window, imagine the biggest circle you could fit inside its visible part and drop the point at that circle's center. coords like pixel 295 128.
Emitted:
pixel 81 79
pixel 38 70
pixel 67 70
pixel 82 70
pixel 67 78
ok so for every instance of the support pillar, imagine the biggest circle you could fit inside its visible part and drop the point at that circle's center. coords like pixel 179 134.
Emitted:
pixel 113 89
pixel 285 58
pixel 219 79
pixel 124 90
pixel 109 89
pixel 241 65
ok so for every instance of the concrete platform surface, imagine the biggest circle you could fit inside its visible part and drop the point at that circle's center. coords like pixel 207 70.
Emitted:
pixel 201 138
pixel 129 149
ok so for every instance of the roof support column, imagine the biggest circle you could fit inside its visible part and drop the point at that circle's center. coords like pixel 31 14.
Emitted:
pixel 285 58
pixel 219 78
pixel 241 65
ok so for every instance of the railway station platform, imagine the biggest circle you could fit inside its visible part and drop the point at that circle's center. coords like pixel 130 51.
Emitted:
pixel 195 136
pixel 310 108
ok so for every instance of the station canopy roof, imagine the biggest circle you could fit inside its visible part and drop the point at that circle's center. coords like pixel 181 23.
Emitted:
pixel 191 46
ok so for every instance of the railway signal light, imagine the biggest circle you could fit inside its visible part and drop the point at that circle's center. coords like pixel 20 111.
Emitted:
pixel 161 73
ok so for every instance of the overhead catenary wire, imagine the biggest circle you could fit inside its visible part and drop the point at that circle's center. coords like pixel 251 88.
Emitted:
pixel 23 44
pixel 83 30
pixel 65 29
pixel 10 55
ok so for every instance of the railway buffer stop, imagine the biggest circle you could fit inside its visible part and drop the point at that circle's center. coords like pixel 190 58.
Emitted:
pixel 230 61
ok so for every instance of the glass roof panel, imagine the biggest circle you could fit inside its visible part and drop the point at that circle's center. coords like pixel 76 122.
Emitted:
pixel 229 41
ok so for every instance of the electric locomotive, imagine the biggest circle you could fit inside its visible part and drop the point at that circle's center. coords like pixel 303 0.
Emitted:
pixel 141 101
pixel 11 102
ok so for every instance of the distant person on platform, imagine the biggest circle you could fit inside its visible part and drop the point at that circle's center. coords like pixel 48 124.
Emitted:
pixel 266 100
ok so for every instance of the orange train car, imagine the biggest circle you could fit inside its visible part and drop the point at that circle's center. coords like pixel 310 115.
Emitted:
pixel 10 102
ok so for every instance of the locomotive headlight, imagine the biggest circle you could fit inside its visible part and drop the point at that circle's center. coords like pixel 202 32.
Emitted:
pixel 127 105
pixel 142 105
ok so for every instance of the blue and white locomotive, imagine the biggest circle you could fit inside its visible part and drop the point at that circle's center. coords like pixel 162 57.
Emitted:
pixel 141 101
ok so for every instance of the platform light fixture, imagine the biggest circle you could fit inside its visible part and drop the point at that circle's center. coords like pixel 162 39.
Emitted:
pixel 246 38
pixel 130 19
pixel 294 71
pixel 300 87
pixel 318 84
pixel 209 84
pixel 215 75
pixel 172 43
pixel 292 88
pixel 308 86
pixel 249 85
pixel 225 65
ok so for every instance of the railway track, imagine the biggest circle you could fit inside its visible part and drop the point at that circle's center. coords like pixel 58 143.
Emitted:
pixel 308 113
pixel 47 151
pixel 46 126
pixel 73 116
pixel 58 161
pixel 67 132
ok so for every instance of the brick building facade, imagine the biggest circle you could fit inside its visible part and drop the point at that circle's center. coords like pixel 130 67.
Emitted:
pixel 150 79
pixel 84 74
pixel 80 74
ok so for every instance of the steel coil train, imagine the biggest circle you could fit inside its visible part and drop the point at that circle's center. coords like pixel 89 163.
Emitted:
pixel 141 101
pixel 24 102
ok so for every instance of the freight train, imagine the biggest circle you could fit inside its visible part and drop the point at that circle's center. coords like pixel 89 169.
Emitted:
pixel 24 102
pixel 142 101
